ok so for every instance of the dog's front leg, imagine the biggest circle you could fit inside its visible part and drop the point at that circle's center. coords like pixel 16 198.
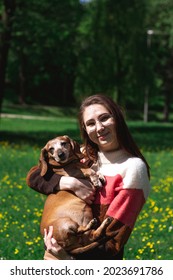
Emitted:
pixel 101 229
pixel 89 226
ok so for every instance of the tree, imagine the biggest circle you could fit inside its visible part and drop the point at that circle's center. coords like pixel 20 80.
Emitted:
pixel 7 9
pixel 160 18
pixel 44 50
pixel 62 50
pixel 112 44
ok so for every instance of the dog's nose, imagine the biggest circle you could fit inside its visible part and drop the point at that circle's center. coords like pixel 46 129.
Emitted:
pixel 61 155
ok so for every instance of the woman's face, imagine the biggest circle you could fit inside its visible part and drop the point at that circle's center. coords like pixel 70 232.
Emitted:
pixel 100 127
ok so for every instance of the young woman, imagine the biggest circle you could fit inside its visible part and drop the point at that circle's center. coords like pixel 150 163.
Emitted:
pixel 108 143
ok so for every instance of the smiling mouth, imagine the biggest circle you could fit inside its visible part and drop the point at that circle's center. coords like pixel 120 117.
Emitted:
pixel 102 136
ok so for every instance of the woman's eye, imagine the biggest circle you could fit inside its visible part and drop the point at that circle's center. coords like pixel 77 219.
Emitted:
pixel 90 124
pixel 105 118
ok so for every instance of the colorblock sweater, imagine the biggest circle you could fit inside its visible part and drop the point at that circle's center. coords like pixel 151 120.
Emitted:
pixel 122 197
pixel 127 186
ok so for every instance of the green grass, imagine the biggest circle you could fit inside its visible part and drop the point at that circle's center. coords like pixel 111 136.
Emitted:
pixel 21 207
pixel 38 110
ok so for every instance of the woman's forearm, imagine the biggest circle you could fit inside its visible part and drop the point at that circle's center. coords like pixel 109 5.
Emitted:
pixel 51 183
pixel 80 187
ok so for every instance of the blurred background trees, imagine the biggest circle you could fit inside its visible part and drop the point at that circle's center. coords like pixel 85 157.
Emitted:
pixel 57 52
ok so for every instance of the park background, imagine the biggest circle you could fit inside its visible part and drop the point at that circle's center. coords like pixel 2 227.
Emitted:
pixel 52 55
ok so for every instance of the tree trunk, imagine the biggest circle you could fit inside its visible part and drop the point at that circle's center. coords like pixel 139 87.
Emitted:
pixel 22 79
pixel 118 75
pixel 5 38
pixel 145 116
pixel 166 107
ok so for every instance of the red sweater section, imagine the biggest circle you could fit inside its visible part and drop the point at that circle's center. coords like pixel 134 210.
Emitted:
pixel 124 204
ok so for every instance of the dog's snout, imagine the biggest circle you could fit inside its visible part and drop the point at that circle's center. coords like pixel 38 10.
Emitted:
pixel 61 155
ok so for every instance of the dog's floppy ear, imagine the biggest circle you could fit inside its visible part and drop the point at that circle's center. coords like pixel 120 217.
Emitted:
pixel 43 162
pixel 75 148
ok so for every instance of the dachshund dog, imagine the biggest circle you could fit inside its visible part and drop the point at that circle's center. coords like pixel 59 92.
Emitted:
pixel 71 217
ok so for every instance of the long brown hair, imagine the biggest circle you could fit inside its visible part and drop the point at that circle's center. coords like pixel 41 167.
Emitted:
pixel 124 136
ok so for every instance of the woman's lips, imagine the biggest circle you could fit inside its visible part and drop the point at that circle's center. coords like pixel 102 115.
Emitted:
pixel 103 136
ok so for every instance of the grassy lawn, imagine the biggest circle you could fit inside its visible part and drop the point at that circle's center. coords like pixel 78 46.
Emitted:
pixel 21 207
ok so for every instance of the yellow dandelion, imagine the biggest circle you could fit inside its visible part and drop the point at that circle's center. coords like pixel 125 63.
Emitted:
pixel 25 234
pixel 151 226
pixel 155 209
pixel 140 251
pixel 6 177
pixel 16 251
pixel 35 221
pixel 150 245
pixel 29 243
pixel 37 239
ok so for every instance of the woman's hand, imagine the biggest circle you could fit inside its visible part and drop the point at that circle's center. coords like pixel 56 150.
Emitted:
pixel 81 188
pixel 53 247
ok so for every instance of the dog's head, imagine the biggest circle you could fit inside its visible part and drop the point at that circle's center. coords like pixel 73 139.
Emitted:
pixel 58 151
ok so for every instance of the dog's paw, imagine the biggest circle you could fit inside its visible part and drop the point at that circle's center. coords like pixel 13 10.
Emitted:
pixel 93 223
pixel 108 220
pixel 102 180
pixel 98 180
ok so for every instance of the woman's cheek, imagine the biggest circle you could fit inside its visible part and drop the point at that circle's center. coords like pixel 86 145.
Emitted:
pixel 93 137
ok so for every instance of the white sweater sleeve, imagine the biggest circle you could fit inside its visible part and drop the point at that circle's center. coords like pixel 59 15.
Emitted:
pixel 136 176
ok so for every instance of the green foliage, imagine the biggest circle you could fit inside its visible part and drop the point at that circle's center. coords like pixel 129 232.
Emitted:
pixel 62 51
pixel 43 49
pixel 109 37
pixel 21 207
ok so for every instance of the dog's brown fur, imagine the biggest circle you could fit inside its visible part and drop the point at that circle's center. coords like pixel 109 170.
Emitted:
pixel 70 216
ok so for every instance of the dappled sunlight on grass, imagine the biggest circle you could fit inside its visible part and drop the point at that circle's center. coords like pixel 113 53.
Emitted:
pixel 21 208
pixel 152 237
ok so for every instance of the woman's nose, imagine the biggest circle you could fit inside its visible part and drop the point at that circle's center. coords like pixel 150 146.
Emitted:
pixel 99 126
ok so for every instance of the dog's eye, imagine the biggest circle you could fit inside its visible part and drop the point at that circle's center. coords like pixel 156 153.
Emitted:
pixel 63 144
pixel 51 150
